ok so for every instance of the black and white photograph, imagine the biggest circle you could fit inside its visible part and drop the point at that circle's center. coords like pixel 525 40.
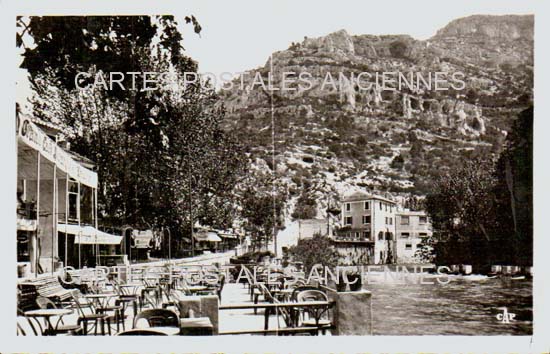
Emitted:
pixel 274 169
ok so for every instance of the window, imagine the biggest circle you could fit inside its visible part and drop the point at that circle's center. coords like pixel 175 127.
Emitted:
pixel 404 220
pixel 348 220
pixel 386 220
pixel 380 205
pixel 423 220
pixel 74 210
pixel 366 235
pixel 389 236
pixel 408 246
pixel 367 206
pixel 423 234
pixel 366 219
pixel 405 235
pixel 348 206
pixel 356 234
pixel 380 235
pixel 390 221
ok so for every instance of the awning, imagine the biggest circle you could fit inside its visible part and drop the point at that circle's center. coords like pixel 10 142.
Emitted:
pixel 227 235
pixel 89 235
pixel 35 139
pixel 26 225
pixel 209 236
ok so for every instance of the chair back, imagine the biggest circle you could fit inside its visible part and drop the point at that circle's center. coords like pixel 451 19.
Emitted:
pixel 158 318
pixel 80 306
pixel 141 332
pixel 299 289
pixel 45 303
pixel 311 295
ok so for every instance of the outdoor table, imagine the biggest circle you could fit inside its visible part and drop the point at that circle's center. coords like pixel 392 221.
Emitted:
pixel 47 314
pixel 196 326
pixel 193 289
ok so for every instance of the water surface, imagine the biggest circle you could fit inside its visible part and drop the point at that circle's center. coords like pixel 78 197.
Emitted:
pixel 465 306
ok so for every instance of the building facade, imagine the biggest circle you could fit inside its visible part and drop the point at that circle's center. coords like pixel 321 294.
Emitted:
pixel 374 230
pixel 412 227
pixel 369 219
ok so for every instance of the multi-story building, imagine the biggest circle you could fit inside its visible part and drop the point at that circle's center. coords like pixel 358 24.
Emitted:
pixel 369 220
pixel 412 227
pixel 374 231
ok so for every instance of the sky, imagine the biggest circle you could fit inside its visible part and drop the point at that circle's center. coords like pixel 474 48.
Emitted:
pixel 238 38
pixel 241 35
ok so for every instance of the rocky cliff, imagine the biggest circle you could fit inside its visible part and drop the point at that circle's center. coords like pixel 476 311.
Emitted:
pixel 346 136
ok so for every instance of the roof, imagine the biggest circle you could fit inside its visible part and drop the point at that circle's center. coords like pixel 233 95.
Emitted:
pixel 411 213
pixel 360 196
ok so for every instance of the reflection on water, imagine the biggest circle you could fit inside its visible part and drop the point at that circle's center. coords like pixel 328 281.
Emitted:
pixel 465 306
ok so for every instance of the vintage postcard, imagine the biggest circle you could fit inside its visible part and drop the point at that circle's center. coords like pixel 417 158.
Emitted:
pixel 346 170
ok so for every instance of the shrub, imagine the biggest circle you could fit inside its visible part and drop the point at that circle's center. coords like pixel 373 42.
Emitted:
pixel 399 49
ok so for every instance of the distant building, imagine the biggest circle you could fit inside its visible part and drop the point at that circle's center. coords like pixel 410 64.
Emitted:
pixel 369 220
pixel 374 230
pixel 310 227
pixel 412 227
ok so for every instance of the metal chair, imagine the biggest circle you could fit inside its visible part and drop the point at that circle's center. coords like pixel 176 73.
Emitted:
pixel 60 326
pixel 141 332
pixel 25 323
pixel 125 298
pixel 158 318
pixel 312 317
pixel 96 318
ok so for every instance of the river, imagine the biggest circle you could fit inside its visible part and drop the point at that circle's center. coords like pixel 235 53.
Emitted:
pixel 464 306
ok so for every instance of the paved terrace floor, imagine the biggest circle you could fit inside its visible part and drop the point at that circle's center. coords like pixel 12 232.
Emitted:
pixel 242 319
pixel 229 320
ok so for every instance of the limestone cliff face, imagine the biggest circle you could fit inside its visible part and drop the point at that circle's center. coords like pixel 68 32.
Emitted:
pixel 504 28
pixel 353 134
pixel 488 40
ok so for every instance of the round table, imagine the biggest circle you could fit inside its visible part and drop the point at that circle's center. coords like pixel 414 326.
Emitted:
pixel 47 314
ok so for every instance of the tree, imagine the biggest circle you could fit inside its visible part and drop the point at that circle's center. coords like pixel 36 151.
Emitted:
pixel 305 206
pixel 316 250
pixel 399 48
pixel 262 203
pixel 414 203
pixel 462 207
pixel 398 162
pixel 482 212
pixel 162 156
pixel 514 189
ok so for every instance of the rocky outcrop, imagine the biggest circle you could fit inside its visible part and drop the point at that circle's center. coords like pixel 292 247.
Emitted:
pixel 339 41
pixel 505 28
